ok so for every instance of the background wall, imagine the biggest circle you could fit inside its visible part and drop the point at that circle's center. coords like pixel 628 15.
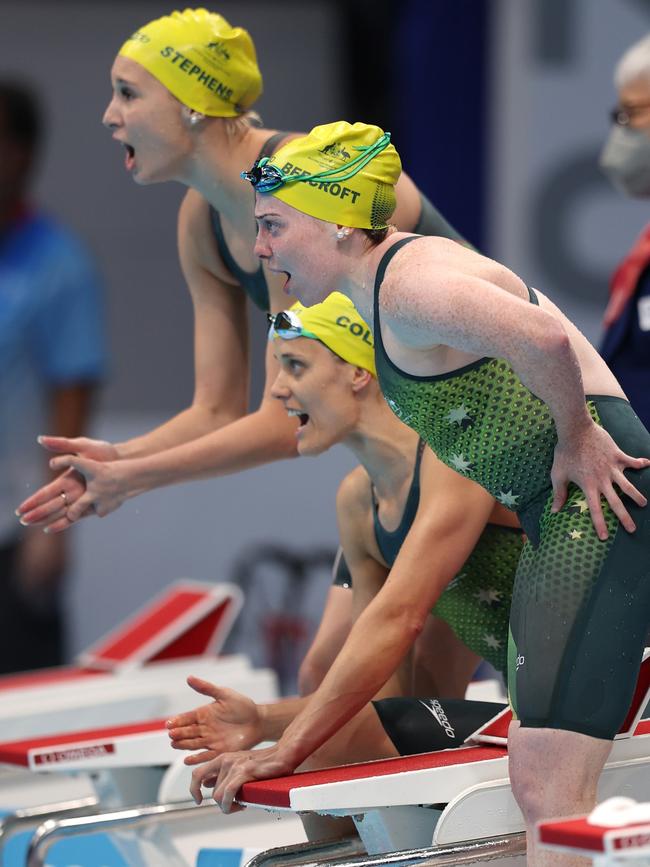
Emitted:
pixel 499 108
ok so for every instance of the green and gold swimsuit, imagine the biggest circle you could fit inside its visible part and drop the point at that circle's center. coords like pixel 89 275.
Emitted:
pixel 580 606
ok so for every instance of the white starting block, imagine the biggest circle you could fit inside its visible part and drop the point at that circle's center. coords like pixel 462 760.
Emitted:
pixel 130 674
pixel 135 764
pixel 617 842
pixel 451 798
pixel 136 672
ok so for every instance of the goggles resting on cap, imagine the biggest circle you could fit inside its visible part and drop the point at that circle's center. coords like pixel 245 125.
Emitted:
pixel 287 325
pixel 265 178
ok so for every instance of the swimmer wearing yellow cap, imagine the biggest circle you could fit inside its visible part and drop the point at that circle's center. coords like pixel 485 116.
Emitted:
pixel 385 506
pixel 205 63
pixel 184 92
pixel 508 393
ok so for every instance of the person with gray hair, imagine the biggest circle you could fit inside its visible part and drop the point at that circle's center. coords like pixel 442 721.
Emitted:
pixel 626 162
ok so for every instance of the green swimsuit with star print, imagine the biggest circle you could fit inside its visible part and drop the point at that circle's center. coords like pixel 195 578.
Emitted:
pixel 581 607
pixel 476 602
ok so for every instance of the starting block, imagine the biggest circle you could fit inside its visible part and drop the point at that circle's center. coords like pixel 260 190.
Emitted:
pixel 450 797
pixel 610 843
pixel 123 677
pixel 135 765
pixel 108 749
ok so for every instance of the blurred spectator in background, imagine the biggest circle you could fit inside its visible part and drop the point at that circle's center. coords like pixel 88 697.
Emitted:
pixel 626 161
pixel 52 356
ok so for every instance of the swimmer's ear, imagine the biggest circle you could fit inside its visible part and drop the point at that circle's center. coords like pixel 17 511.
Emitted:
pixel 360 379
pixel 193 117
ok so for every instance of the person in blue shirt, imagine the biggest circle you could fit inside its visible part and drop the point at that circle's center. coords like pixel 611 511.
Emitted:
pixel 52 355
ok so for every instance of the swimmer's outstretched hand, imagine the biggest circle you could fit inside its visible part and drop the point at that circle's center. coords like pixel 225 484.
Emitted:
pixel 59 504
pixel 231 722
pixel 594 462
pixel 228 772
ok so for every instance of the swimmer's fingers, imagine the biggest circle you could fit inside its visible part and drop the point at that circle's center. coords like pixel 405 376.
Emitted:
pixel 624 485
pixel 560 489
pixel 193 737
pixel 63 522
pixel 189 737
pixel 44 506
pixel 630 490
pixel 237 768
pixel 205 687
pixel 81 508
pixel 63 445
pixel 98 450
pixel 105 489
pixel 201 758
pixel 204 775
pixel 183 724
pixel 616 505
pixel 593 498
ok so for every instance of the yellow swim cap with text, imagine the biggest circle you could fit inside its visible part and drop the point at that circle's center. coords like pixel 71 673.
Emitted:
pixel 205 63
pixel 337 324
pixel 361 197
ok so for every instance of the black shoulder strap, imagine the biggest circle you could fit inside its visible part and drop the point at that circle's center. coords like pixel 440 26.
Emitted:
pixel 271 144
pixel 386 258
pixel 379 278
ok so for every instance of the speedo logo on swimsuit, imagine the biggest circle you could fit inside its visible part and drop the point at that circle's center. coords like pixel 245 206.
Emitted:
pixel 355 328
pixel 437 712
pixel 520 661
pixel 331 187
pixel 194 70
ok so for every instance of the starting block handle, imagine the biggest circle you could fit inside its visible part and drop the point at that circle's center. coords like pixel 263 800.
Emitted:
pixel 308 853
pixel 486 849
pixel 30 817
pixel 52 830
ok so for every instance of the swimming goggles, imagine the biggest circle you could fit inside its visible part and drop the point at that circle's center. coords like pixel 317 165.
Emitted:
pixel 287 325
pixel 265 178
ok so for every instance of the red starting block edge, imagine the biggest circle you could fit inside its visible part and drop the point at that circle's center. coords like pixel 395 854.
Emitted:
pixel 578 836
pixel 72 748
pixel 189 618
pixel 279 793
pixel 495 731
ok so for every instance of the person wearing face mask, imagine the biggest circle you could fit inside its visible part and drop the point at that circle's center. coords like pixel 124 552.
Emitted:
pixel 626 162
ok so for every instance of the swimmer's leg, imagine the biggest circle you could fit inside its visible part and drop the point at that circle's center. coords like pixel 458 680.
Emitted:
pixel 553 773
pixel 361 739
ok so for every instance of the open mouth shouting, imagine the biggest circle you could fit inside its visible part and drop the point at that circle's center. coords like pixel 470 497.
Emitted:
pixel 129 158
pixel 303 418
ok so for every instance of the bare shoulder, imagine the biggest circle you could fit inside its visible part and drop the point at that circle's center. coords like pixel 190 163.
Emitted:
pixel 435 278
pixel 196 240
pixel 353 498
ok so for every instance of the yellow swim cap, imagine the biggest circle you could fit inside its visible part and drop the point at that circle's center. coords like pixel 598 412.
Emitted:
pixel 208 65
pixel 336 323
pixel 343 173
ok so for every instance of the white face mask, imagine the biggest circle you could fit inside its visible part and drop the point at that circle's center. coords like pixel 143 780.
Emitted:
pixel 625 160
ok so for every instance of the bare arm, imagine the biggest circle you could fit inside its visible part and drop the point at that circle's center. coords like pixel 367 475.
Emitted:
pixel 434 307
pixel 380 637
pixel 188 446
